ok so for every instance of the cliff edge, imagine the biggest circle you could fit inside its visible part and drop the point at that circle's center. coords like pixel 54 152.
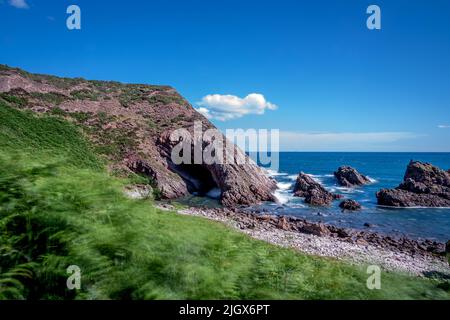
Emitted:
pixel 131 126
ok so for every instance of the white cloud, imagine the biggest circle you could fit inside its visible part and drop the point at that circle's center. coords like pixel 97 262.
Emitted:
pixel 227 107
pixel 346 141
pixel 443 126
pixel 21 4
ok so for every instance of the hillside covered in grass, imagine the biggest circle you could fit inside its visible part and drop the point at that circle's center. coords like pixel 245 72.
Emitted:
pixel 59 206
pixel 131 126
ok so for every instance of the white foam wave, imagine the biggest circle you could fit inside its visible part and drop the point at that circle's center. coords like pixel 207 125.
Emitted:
pixel 273 173
pixel 297 205
pixel 282 197
pixel 349 190
pixel 316 178
pixel 372 180
pixel 284 185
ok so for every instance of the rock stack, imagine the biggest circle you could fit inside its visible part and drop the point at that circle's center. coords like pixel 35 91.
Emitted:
pixel 423 185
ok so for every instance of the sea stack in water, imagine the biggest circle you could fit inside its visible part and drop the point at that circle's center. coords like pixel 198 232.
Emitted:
pixel 423 185
pixel 313 192
pixel 350 177
pixel 350 205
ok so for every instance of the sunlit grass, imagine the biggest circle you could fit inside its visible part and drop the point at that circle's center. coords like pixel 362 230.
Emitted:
pixel 59 207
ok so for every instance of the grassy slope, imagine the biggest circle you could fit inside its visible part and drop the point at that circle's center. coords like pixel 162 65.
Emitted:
pixel 59 207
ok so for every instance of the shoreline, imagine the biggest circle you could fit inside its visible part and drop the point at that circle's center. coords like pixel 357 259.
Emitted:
pixel 419 258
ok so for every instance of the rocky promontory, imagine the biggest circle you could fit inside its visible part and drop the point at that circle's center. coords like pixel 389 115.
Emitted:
pixel 423 185
pixel 130 125
pixel 350 177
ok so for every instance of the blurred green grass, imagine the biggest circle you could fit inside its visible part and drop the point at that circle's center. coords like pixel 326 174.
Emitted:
pixel 59 207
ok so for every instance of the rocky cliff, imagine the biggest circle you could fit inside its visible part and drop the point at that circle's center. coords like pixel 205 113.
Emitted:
pixel 131 126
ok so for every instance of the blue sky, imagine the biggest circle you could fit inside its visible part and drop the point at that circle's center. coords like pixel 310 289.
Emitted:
pixel 322 78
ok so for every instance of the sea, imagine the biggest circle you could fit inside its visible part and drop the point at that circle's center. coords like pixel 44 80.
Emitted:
pixel 385 170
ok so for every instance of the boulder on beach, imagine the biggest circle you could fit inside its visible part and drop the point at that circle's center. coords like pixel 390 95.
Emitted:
pixel 350 205
pixel 313 192
pixel 423 185
pixel 350 177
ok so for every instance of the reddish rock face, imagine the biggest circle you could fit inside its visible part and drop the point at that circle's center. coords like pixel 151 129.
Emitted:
pixel 424 185
pixel 313 192
pixel 350 205
pixel 349 177
pixel 130 124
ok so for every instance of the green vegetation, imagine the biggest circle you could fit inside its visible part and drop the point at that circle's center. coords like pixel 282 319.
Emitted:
pixel 49 97
pixel 80 116
pixel 4 67
pixel 85 95
pixel 165 99
pixel 152 94
pixel 56 111
pixel 59 207
pixel 151 124
pixel 59 82
pixel 44 137
pixel 114 142
pixel 13 100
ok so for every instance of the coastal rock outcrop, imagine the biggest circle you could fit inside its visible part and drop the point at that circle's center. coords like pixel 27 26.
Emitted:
pixel 350 177
pixel 131 125
pixel 313 192
pixel 248 219
pixel 350 205
pixel 423 185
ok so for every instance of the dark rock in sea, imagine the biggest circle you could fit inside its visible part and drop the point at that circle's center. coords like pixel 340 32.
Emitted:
pixel 313 192
pixel 350 177
pixel 350 205
pixel 368 225
pixel 424 185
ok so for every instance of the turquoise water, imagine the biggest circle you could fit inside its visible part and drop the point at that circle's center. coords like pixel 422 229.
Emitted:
pixel 385 169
